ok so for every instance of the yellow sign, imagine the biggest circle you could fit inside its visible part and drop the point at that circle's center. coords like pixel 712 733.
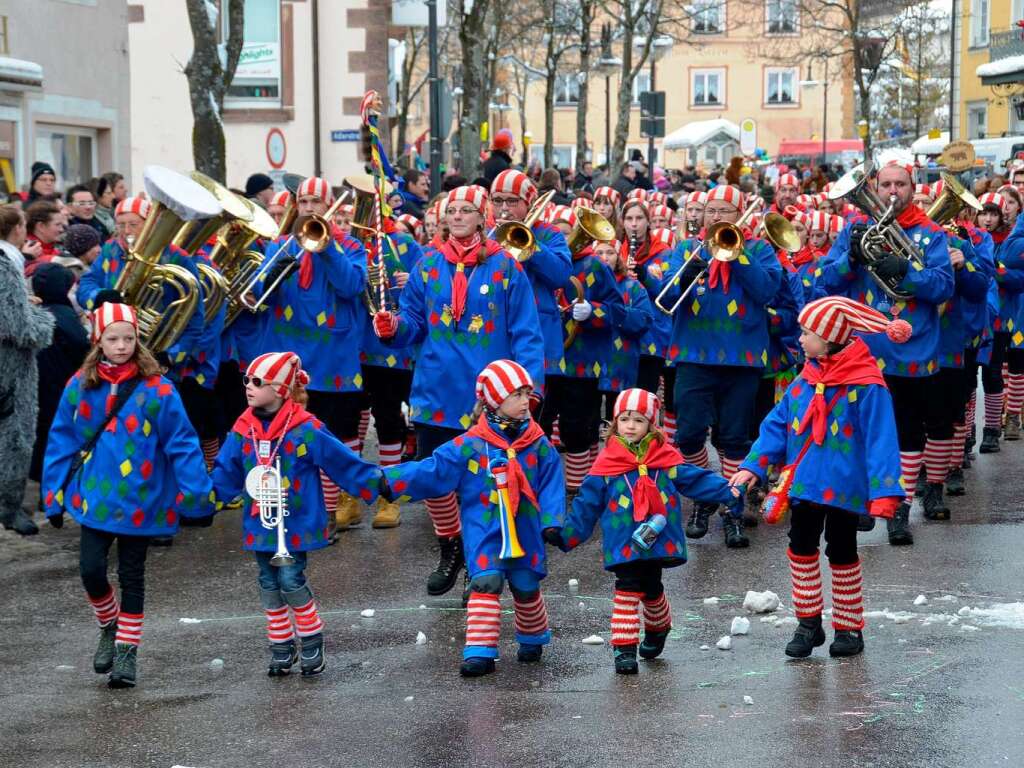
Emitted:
pixel 8 172
pixel 934 133
pixel 483 131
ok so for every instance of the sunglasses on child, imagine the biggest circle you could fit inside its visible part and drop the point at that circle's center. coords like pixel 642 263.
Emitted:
pixel 256 381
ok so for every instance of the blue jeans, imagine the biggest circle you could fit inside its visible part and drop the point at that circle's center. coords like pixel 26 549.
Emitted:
pixel 286 578
pixel 715 395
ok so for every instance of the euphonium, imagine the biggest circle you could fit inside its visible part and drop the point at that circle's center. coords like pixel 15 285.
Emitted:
pixel 953 199
pixel 590 226
pixel 164 296
pixel 516 237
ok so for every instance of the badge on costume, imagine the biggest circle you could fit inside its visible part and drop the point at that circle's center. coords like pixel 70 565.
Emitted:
pixel 446 315
pixel 263 449
pixel 476 323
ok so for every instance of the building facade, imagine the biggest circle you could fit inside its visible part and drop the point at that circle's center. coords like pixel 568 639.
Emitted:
pixel 294 103
pixel 64 94
pixel 991 72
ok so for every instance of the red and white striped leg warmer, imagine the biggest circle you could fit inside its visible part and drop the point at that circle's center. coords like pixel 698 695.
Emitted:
pixel 805 570
pixel 670 427
pixel 531 615
pixel 956 457
pixel 729 466
pixel 444 514
pixel 1015 394
pixel 354 444
pixel 364 424
pixel 556 434
pixel 105 608
pixel 129 628
pixel 910 468
pixel 576 466
pixel 699 459
pixel 592 457
pixel 307 620
pixel 994 410
pixel 483 620
pixel 626 618
pixel 331 492
pixel 972 411
pixel 937 457
pixel 211 447
pixel 279 626
pixel 390 454
pixel 847 597
pixel 657 614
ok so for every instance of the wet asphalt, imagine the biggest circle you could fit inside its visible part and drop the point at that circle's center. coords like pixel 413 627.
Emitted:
pixel 925 693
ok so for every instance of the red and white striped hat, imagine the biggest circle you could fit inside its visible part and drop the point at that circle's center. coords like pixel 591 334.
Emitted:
pixel 803 218
pixel 908 167
pixel 819 221
pixel 609 192
pixel 513 182
pixel 827 188
pixel 787 180
pixel 662 211
pixel 499 380
pixel 727 194
pixel 410 221
pixel 656 197
pixel 281 198
pixel 639 401
pixel 562 214
pixel 347 209
pixel 836 223
pixel 697 196
pixel 937 188
pixel 473 194
pixel 807 201
pixel 316 187
pixel 279 369
pixel 638 194
pixel 109 313
pixel 835 318
pixel 994 198
pixel 665 235
pixel 922 189
pixel 136 205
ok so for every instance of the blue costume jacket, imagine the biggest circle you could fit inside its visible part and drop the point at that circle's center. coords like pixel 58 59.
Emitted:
pixel 621 340
pixel 586 357
pixel 549 269
pixel 971 288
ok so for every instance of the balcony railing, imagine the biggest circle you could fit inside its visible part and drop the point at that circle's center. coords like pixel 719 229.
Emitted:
pixel 1006 42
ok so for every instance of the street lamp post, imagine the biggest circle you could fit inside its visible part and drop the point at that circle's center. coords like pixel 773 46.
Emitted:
pixel 607 65
pixel 809 83
pixel 660 47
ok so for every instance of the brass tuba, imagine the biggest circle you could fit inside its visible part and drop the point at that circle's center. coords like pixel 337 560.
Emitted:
pixel 367 226
pixel 516 237
pixel 590 226
pixel 954 197
pixel 164 296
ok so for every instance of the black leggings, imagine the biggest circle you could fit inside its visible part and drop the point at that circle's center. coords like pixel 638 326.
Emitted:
pixel 806 524
pixel 93 556
pixel 912 399
pixel 385 389
pixel 640 576
pixel 202 408
pixel 339 411
pixel 649 372
pixel 576 403
pixel 230 394
pixel 992 374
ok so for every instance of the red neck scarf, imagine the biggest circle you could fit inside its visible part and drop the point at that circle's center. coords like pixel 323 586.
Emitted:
pixel 464 253
pixel 911 216
pixel 805 255
pixel 720 272
pixel 999 235
pixel 290 413
pixel 616 459
pixel 306 260
pixel 49 249
pixel 517 482
pixel 853 365
pixel 115 375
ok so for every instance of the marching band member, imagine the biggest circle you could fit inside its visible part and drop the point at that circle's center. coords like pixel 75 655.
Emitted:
pixel 317 311
pixel 434 225
pixel 835 226
pixel 830 480
pixel 467 304
pixel 606 202
pixel 1011 255
pixel 923 196
pixel 411 226
pixel 278 205
pixel 510 480
pixel 817 232
pixel 692 220
pixel 661 216
pixel 909 367
pixel 343 218
pixel 719 344
pixel 642 538
pixel 276 432
pixel 143 472
pixel 787 190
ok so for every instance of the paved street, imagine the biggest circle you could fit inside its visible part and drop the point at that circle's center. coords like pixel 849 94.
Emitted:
pixel 934 688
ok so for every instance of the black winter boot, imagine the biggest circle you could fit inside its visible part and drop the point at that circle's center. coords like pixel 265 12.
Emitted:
pixel 476 666
pixel 312 659
pixel 653 644
pixel 697 525
pixel 20 522
pixel 734 536
pixel 752 508
pixel 449 564
pixel 529 653
pixel 104 658
pixel 922 482
pixel 808 636
pixel 955 483
pixel 899 526
pixel 625 660
pixel 123 673
pixel 283 656
pixel 989 440
pixel 846 643
pixel 934 506
pixel 865 523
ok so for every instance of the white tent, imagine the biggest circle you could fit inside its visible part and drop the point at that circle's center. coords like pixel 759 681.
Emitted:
pixel 926 146
pixel 698 133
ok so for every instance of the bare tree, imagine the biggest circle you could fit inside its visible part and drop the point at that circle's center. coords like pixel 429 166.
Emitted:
pixel 414 78
pixel 208 81
pixel 471 17
pixel 587 10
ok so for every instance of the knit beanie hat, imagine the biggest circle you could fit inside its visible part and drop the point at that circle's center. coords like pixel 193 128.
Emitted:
pixel 257 183
pixel 499 380
pixel 39 168
pixel 641 401
pixel 79 239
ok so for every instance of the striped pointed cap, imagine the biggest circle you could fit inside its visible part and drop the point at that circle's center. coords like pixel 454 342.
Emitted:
pixel 136 205
pixel 108 313
pixel 787 180
pixel 835 318
pixel 697 196
pixel 279 369
pixel 281 198
pixel 640 401
pixel 994 198
pixel 316 187
pixel 513 182
pixel 611 193
pixel 727 194
pixel 473 194
pixel 499 380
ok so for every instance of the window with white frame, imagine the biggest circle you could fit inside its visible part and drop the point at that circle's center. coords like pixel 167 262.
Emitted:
pixel 567 90
pixel 70 150
pixel 781 17
pixel 257 81
pixel 780 86
pixel 977 119
pixel 980 22
pixel 641 83
pixel 708 16
pixel 707 87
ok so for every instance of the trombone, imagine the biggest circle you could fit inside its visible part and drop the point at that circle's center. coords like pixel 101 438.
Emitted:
pixel 516 237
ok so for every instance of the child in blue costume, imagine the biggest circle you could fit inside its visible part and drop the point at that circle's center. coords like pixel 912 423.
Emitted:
pixel 276 431
pixel 835 432
pixel 138 477
pixel 513 497
pixel 637 481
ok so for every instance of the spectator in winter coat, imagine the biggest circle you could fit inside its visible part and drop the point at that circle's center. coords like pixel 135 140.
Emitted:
pixel 45 225
pixel 82 244
pixel 260 189
pixel 626 181
pixel 82 207
pixel 502 149
pixel 552 179
pixel 103 192
pixel 416 194
pixel 58 362
pixel 43 184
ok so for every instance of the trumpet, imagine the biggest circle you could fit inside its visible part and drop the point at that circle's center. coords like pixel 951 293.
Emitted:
pixel 264 484
pixel 516 237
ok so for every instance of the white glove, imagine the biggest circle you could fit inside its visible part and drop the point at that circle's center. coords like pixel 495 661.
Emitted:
pixel 581 310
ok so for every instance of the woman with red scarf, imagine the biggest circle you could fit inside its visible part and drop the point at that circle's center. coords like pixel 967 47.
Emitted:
pixel 834 434
pixel 513 498
pixel 467 303
pixel 143 473
pixel 634 491
pixel 46 226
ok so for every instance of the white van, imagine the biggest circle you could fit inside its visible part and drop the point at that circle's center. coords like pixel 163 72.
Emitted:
pixel 998 151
